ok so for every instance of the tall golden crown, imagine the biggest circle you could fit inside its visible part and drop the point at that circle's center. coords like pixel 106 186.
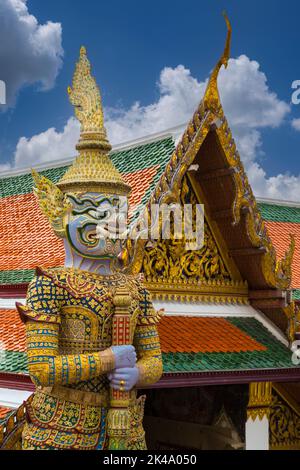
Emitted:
pixel 92 170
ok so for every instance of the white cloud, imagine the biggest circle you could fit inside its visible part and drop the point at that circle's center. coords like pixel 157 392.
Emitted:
pixel 29 52
pixel 249 104
pixel 246 96
pixel 48 146
pixel 296 124
pixel 4 167
pixel 179 95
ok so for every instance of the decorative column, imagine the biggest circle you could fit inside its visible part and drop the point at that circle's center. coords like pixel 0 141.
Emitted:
pixel 258 413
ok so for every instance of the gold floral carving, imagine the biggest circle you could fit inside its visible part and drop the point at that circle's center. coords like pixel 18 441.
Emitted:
pixel 284 423
pixel 277 272
pixel 11 430
pixel 170 260
pixel 291 314
pixel 172 272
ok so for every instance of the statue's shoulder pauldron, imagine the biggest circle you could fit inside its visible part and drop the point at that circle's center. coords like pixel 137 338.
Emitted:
pixel 148 315
pixel 27 314
pixel 42 300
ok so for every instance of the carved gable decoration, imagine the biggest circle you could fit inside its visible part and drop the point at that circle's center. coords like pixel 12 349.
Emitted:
pixel 284 422
pixel 169 260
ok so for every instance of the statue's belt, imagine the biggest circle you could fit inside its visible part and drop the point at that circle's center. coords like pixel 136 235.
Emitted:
pixel 81 396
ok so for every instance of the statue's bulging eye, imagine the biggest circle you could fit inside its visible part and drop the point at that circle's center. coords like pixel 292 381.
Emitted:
pixel 103 214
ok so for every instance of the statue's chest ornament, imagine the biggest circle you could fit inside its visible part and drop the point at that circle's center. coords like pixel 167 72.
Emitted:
pixel 79 285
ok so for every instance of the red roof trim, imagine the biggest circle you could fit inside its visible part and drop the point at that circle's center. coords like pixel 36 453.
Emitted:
pixel 180 380
pixel 200 379
pixel 16 381
pixel 12 291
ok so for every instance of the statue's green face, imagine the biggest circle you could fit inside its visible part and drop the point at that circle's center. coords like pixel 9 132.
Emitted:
pixel 97 224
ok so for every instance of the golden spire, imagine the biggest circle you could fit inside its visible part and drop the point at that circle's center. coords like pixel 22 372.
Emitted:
pixel 211 96
pixel 93 170
pixel 85 96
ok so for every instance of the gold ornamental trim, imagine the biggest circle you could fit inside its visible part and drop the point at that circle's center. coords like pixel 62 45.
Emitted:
pixel 230 292
pixel 76 396
pixel 260 399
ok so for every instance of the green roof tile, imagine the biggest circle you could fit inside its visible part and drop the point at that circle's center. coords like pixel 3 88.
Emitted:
pixel 13 361
pixel 296 294
pixel 16 277
pixel 275 213
pixel 145 156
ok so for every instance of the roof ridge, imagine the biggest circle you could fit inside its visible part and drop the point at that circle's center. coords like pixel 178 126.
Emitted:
pixel 278 202
pixel 127 145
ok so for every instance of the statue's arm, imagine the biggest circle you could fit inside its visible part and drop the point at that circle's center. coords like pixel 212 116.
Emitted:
pixel 147 344
pixel 47 367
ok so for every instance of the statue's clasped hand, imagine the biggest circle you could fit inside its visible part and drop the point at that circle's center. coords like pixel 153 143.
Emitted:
pixel 125 375
pixel 125 356
pixel 124 379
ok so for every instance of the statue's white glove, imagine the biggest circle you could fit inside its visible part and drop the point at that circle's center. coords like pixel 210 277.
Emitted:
pixel 125 356
pixel 124 378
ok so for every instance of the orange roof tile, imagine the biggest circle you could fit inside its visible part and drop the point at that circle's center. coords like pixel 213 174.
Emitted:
pixel 4 411
pixel 139 181
pixel 279 233
pixel 12 331
pixel 188 344
pixel 27 240
pixel 203 334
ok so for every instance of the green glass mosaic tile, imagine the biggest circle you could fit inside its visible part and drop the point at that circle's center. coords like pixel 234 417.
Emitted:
pixel 13 361
pixel 275 213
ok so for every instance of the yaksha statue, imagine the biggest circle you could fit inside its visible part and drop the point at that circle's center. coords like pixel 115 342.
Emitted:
pixel 91 329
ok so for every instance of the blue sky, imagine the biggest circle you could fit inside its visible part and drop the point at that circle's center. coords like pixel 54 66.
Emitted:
pixel 130 44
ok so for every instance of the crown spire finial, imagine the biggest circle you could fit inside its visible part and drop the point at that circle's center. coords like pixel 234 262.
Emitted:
pixel 85 96
pixel 92 169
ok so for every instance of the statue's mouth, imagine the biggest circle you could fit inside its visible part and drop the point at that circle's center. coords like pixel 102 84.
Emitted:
pixel 103 231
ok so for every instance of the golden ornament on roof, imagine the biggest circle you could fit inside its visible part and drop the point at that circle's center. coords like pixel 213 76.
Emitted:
pixel 211 97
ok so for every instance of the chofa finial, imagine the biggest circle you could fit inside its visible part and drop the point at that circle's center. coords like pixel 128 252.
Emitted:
pixel 211 96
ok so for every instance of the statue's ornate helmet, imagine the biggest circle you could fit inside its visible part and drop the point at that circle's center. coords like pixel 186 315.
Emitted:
pixel 92 170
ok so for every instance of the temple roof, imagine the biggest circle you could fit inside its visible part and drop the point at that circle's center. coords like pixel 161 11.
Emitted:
pixel 142 166
pixel 190 344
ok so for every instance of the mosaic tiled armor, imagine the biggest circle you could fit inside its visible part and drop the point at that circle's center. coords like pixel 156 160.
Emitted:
pixel 68 319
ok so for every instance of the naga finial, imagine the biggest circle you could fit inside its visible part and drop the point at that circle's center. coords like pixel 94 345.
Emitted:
pixel 211 96
pixel 85 96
